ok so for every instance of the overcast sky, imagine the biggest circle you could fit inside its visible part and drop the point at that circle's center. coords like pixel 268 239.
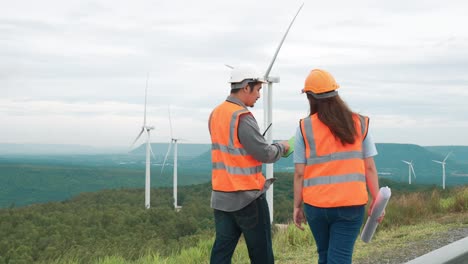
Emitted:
pixel 74 72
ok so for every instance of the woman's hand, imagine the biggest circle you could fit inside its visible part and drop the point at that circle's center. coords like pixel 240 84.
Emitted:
pixel 381 217
pixel 298 217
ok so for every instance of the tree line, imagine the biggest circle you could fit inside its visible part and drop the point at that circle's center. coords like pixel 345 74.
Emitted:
pixel 115 223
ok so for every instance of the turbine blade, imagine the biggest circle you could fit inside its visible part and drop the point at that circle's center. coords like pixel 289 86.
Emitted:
pixel 146 93
pixel 405 161
pixel 170 121
pixel 414 173
pixel 139 135
pixel 229 66
pixel 152 153
pixel 165 158
pixel 267 73
pixel 438 161
pixel 447 156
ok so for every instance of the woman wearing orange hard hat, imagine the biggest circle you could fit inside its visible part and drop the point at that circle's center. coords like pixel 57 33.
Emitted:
pixel 334 167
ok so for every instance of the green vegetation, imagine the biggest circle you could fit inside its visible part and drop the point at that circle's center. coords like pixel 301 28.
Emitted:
pixel 112 226
pixel 105 223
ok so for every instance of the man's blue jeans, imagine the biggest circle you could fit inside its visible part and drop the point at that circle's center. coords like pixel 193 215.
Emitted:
pixel 335 231
pixel 254 222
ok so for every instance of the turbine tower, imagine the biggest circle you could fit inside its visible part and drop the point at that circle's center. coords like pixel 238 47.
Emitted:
pixel 410 169
pixel 443 169
pixel 173 141
pixel 268 113
pixel 148 129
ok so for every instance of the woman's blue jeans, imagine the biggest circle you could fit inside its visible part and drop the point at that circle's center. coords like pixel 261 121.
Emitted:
pixel 335 231
pixel 254 222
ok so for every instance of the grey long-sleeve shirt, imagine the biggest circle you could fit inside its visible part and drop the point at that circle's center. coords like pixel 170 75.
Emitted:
pixel 255 144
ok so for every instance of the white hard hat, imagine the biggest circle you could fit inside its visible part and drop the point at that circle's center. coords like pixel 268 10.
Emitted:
pixel 239 74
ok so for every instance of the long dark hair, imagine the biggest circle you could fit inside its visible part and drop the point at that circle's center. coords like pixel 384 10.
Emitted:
pixel 336 115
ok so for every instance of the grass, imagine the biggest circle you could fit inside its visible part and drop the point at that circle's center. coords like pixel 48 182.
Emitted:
pixel 404 241
pixel 411 220
pixel 293 246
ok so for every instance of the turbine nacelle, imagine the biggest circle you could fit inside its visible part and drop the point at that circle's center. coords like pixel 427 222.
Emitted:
pixel 408 162
pixel 273 79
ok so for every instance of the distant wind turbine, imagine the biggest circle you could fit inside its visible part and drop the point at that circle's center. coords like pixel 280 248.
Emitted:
pixel 410 169
pixel 443 169
pixel 173 141
pixel 148 150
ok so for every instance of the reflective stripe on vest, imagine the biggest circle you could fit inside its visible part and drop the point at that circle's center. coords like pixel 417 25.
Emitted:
pixel 334 179
pixel 335 156
pixel 314 159
pixel 334 175
pixel 231 150
pixel 237 170
pixel 233 125
pixel 233 168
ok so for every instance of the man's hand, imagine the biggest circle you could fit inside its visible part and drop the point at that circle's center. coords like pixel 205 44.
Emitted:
pixel 286 146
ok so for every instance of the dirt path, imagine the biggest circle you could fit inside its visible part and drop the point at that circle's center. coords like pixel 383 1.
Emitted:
pixel 415 249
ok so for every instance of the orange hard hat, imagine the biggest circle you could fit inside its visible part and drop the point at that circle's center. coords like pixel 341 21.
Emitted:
pixel 319 82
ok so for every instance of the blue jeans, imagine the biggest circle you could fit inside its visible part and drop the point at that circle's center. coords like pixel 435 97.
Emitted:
pixel 254 222
pixel 335 231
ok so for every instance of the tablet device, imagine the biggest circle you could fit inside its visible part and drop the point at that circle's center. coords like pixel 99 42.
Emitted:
pixel 291 147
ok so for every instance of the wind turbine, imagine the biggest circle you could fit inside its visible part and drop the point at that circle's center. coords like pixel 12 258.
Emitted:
pixel 443 169
pixel 410 169
pixel 173 141
pixel 268 113
pixel 148 129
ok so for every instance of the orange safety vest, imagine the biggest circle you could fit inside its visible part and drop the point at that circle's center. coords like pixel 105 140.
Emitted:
pixel 334 174
pixel 233 168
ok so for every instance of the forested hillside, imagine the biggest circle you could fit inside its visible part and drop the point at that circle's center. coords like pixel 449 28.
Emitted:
pixel 114 223
pixel 110 222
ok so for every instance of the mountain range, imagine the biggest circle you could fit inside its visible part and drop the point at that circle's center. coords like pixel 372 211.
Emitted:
pixel 27 178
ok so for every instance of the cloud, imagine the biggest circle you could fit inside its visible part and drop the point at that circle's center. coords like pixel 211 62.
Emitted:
pixel 83 65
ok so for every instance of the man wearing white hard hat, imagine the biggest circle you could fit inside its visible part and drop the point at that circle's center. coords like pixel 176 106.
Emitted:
pixel 238 185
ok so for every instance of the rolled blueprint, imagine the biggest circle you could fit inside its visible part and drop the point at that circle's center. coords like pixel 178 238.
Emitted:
pixel 380 203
